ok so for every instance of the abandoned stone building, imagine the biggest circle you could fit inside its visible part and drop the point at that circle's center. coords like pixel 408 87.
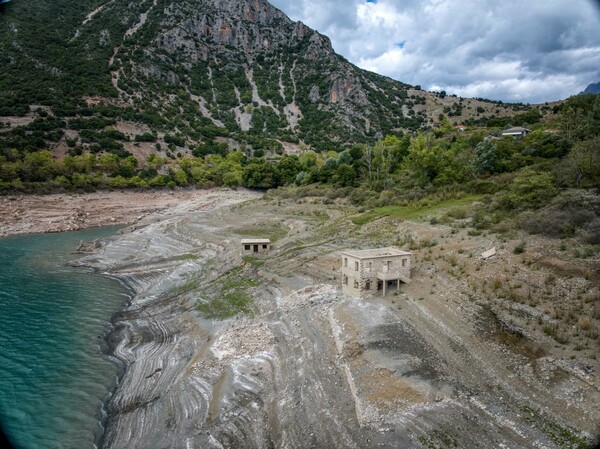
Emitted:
pixel 369 270
pixel 254 246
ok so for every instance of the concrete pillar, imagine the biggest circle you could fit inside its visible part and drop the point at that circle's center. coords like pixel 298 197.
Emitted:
pixel 384 285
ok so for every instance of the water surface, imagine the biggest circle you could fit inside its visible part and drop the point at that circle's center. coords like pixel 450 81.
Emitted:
pixel 54 377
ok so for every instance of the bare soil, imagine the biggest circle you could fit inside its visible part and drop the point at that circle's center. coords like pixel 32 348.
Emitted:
pixel 27 214
pixel 472 353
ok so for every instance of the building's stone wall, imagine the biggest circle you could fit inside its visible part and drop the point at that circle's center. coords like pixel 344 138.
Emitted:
pixel 367 272
pixel 255 248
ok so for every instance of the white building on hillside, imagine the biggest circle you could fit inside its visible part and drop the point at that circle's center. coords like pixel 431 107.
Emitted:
pixel 255 246
pixel 517 132
pixel 369 270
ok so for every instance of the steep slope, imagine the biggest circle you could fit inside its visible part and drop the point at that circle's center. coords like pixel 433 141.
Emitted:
pixel 593 88
pixel 201 69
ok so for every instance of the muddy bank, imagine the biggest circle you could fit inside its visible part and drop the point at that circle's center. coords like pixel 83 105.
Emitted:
pixel 27 214
pixel 305 366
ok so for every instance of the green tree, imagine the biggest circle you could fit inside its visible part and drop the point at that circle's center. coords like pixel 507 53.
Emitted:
pixel 422 160
pixel 108 162
pixel 456 166
pixel 581 167
pixel 345 175
pixel 488 159
pixel 232 178
pixel 445 126
pixel 38 167
pixel 181 177
pixel 118 182
pixel 531 189
pixel 288 167
pixel 260 174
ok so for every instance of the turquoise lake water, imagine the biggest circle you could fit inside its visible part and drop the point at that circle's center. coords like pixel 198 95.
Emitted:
pixel 54 377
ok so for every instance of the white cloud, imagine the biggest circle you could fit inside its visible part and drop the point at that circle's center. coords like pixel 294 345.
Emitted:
pixel 532 51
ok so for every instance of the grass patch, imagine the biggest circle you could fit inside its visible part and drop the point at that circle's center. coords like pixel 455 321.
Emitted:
pixel 190 285
pixel 230 298
pixel 185 257
pixel 255 262
pixel 414 211
pixel 562 436
pixel 273 232
pixel 230 304
pixel 235 281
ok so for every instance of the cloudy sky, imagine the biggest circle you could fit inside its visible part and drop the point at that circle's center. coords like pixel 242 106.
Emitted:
pixel 528 51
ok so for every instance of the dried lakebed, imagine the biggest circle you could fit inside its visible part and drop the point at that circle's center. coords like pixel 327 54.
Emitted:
pixel 302 365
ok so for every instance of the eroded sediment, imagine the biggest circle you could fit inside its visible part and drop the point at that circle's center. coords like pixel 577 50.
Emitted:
pixel 311 367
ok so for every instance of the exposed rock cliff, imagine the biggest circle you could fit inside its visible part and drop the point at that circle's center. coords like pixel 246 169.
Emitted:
pixel 205 69
pixel 183 65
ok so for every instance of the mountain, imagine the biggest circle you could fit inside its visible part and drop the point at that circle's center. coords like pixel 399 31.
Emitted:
pixel 593 88
pixel 191 72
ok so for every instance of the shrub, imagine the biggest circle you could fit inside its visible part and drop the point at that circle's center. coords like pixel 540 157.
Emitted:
pixel 145 137
pixel 584 323
pixel 459 212
pixel 573 212
pixel 520 248
pixel 531 190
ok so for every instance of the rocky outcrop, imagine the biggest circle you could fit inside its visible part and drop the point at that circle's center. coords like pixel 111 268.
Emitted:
pixel 202 46
pixel 593 88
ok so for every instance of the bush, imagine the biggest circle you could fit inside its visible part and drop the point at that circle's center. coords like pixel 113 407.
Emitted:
pixel 581 168
pixel 531 190
pixel 520 248
pixel 573 212
pixel 178 141
pixel 459 212
pixel 145 137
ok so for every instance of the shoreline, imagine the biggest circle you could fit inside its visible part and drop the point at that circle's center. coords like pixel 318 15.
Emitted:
pixel 108 344
pixel 106 341
pixel 118 332
pixel 186 383
pixel 24 214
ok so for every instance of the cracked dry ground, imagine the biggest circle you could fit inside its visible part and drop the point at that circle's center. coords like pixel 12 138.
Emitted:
pixel 461 357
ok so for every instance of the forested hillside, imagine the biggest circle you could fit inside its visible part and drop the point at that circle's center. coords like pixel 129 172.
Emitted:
pixel 114 94
pixel 197 74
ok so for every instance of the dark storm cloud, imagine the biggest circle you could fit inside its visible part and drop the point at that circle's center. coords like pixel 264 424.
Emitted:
pixel 533 51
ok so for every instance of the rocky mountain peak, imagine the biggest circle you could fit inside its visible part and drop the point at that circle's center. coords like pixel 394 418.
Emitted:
pixel 198 69
pixel 593 88
pixel 259 11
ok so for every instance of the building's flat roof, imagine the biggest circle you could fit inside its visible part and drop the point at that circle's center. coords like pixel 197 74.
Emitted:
pixel 515 130
pixel 376 252
pixel 250 241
